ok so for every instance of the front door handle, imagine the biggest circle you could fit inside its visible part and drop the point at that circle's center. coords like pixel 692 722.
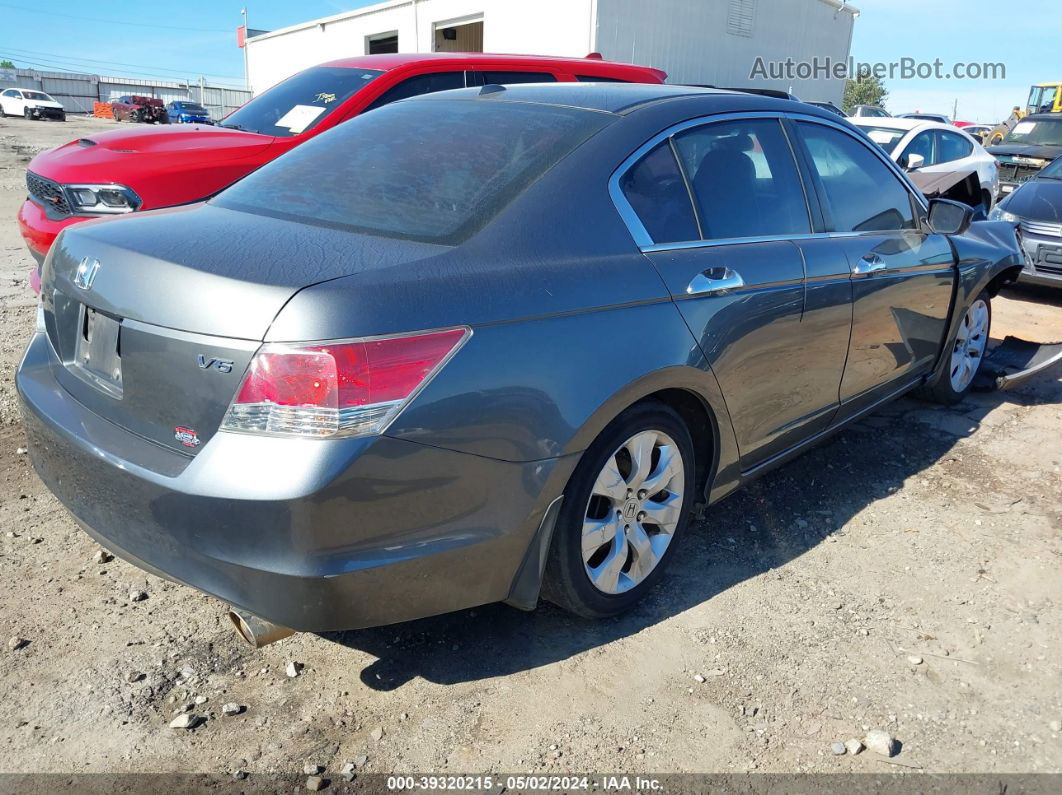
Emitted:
pixel 871 263
pixel 715 281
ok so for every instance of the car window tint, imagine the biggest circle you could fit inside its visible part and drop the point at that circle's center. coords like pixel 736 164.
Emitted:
pixel 861 193
pixel 421 84
pixel 657 192
pixel 922 144
pixel 434 171
pixel 511 78
pixel 744 179
pixel 951 146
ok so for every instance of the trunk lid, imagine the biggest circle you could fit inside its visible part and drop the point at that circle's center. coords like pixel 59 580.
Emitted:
pixel 154 317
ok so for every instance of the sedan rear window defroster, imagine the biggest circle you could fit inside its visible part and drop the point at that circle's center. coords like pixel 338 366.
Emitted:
pixel 431 171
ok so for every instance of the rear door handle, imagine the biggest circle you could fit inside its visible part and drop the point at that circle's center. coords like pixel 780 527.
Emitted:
pixel 715 281
pixel 871 263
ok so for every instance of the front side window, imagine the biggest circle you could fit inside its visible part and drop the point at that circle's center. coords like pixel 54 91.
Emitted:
pixel 744 179
pixel 952 146
pixel 434 171
pixel 922 144
pixel 301 102
pixel 421 84
pixel 861 194
pixel 657 193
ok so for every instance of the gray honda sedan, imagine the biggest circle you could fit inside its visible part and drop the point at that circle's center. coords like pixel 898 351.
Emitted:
pixel 490 345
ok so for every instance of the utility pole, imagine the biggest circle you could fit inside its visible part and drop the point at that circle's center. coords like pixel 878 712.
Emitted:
pixel 955 110
pixel 246 33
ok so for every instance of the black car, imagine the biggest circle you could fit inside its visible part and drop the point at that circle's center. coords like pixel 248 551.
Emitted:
pixel 1034 142
pixel 1036 207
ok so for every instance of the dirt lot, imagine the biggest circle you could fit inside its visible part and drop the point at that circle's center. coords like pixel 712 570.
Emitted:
pixel 904 577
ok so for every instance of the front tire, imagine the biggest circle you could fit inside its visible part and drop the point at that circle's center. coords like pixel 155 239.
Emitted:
pixel 628 500
pixel 966 355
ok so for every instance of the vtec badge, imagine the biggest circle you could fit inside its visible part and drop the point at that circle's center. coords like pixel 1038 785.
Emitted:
pixel 186 436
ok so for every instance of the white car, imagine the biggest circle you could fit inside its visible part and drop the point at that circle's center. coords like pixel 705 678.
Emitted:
pixel 30 103
pixel 930 147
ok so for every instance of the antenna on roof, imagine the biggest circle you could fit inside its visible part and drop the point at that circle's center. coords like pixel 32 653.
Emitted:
pixel 491 88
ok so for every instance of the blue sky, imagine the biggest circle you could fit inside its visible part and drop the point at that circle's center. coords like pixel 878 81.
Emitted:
pixel 181 40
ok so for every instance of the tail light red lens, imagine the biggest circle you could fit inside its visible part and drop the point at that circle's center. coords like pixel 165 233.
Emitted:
pixel 343 388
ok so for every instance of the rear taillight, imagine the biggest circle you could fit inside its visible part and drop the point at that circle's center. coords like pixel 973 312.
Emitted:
pixel 343 388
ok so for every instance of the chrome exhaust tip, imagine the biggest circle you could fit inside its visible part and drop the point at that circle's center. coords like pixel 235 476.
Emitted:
pixel 257 631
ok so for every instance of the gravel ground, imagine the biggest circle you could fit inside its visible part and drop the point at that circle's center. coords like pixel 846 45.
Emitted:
pixel 904 577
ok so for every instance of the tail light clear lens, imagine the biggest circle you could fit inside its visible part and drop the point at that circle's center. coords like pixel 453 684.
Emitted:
pixel 337 389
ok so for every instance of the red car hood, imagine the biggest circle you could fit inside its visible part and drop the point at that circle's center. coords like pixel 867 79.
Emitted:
pixel 165 165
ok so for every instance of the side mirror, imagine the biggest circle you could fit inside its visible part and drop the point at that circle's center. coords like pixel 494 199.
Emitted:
pixel 913 162
pixel 947 217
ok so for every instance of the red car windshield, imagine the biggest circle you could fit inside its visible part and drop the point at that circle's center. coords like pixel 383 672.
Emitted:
pixel 301 102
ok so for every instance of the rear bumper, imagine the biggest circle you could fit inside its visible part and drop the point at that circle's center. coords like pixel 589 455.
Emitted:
pixel 313 535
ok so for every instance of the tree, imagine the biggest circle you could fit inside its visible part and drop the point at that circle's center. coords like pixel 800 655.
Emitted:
pixel 5 64
pixel 864 90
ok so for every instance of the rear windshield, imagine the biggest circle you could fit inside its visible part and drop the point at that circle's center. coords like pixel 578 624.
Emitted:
pixel 427 170
pixel 300 102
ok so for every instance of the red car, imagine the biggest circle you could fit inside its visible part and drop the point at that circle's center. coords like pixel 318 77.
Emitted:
pixel 139 109
pixel 146 168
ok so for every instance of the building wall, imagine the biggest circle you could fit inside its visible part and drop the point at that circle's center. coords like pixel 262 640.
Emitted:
pixel 544 27
pixel 695 41
pixel 704 41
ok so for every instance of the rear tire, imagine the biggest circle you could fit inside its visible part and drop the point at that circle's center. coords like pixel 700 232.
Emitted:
pixel 965 357
pixel 629 499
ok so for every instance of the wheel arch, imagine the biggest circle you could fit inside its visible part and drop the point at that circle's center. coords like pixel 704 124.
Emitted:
pixel 695 396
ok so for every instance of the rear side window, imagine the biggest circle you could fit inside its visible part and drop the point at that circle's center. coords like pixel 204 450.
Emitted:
pixel 421 84
pixel 509 78
pixel 430 171
pixel 744 179
pixel 861 193
pixel 657 193
pixel 593 79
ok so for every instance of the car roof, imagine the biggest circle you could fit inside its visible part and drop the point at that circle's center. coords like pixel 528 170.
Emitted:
pixel 1043 117
pixel 389 61
pixel 622 98
pixel 896 123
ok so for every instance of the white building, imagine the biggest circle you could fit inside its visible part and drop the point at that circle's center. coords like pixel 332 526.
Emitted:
pixel 712 42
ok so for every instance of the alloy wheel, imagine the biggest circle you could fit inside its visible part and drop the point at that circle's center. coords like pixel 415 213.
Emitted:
pixel 970 344
pixel 633 512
